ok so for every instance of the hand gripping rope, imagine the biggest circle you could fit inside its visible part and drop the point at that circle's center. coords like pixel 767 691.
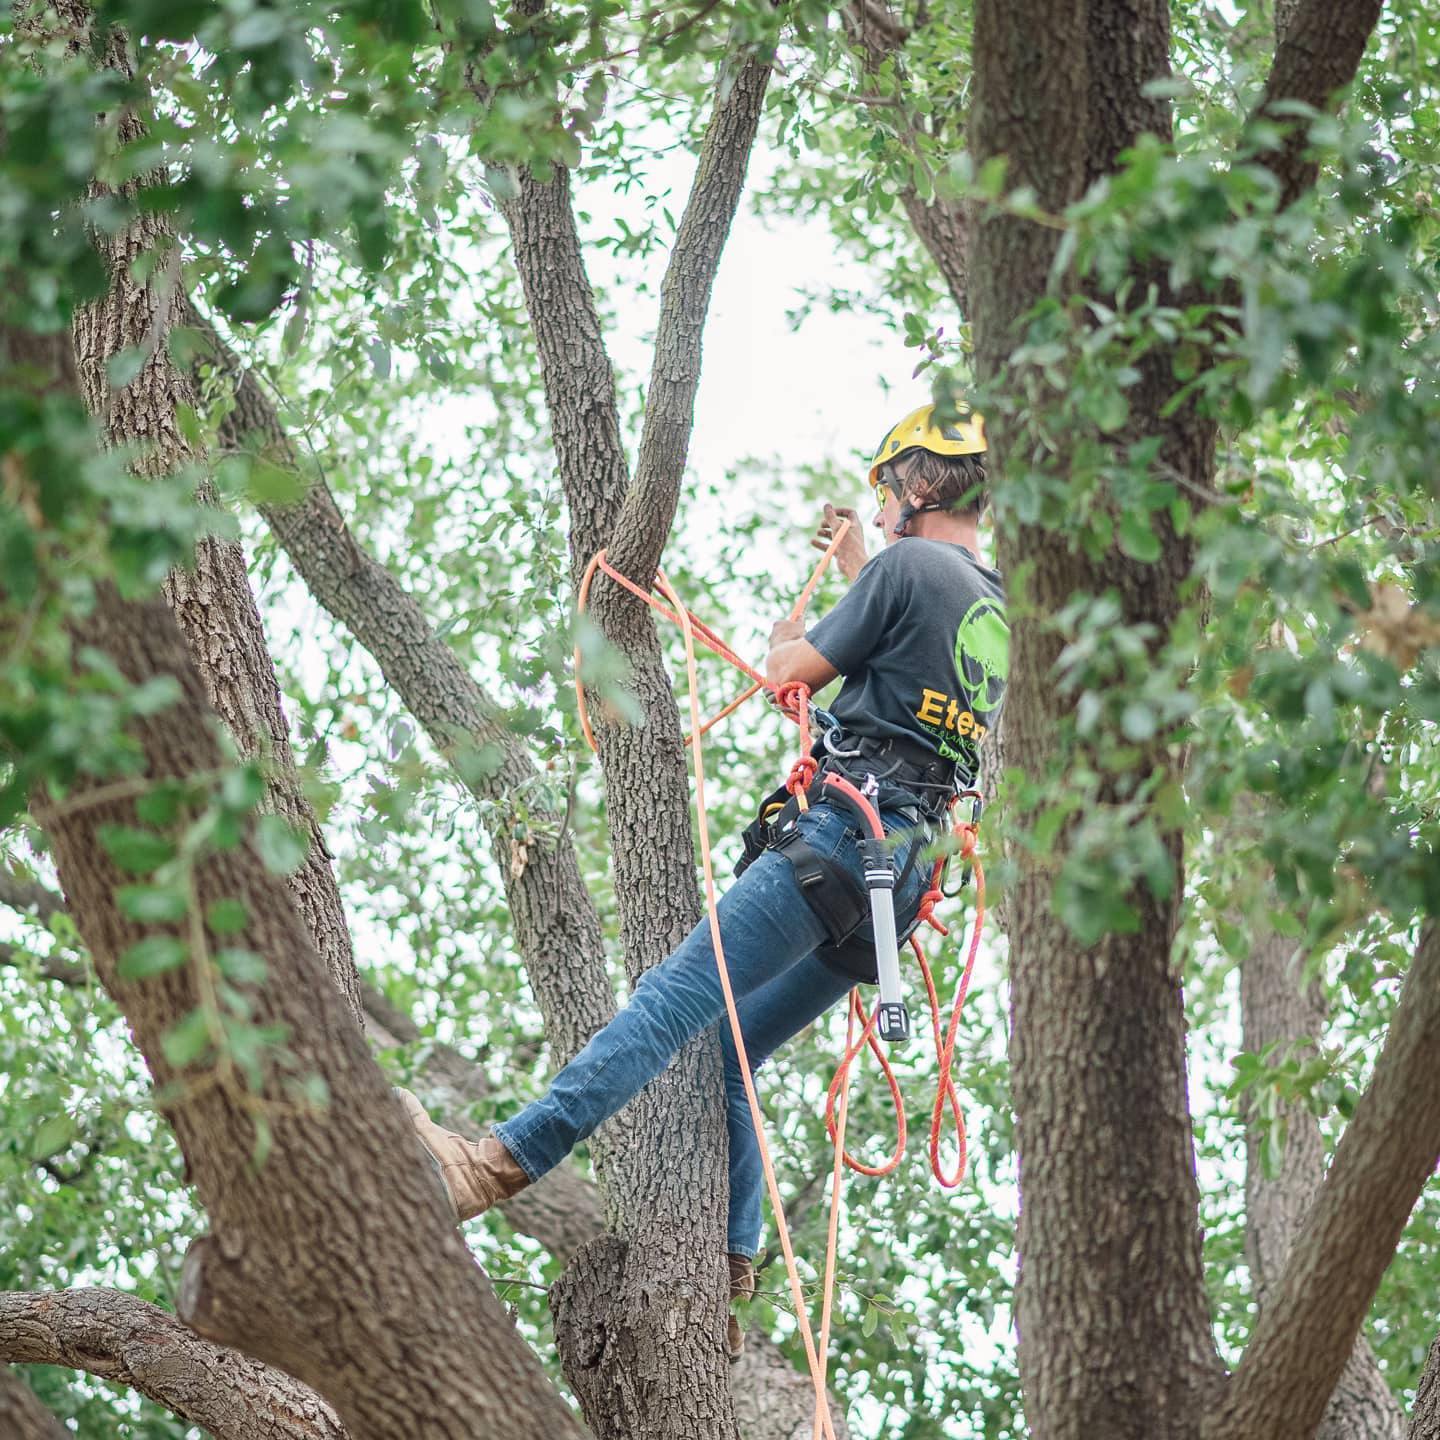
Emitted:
pixel 861 1027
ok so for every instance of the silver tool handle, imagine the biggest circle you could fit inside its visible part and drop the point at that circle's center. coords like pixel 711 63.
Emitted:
pixel 894 1022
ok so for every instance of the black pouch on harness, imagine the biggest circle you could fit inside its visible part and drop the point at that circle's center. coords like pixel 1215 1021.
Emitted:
pixel 839 901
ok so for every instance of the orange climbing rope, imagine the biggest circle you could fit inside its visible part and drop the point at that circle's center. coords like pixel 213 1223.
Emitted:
pixel 793 701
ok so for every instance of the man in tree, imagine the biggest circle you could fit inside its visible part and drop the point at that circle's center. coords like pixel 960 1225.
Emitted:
pixel 920 640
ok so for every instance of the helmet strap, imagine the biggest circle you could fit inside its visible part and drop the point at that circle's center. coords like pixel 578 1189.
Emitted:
pixel 908 512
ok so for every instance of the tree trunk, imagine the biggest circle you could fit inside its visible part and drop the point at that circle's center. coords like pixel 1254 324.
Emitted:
pixel 312 1261
pixel 639 1314
pixel 213 601
pixel 1111 1309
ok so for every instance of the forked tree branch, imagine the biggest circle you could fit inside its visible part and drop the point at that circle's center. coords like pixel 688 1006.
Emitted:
pixel 1320 48
pixel 649 510
pixel 667 1192
pixel 1305 1333
pixel 121 1338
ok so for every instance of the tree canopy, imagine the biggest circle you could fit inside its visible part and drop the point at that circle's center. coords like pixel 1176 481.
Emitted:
pixel 338 336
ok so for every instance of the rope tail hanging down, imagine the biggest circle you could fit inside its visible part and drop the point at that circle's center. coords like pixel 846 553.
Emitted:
pixel 861 1027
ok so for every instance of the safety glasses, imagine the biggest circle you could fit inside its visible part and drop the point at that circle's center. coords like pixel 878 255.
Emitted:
pixel 882 494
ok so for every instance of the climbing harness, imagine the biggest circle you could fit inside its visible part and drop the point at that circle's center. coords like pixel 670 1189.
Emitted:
pixel 888 1019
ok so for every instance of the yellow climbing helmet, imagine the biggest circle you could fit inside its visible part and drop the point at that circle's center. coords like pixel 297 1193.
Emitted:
pixel 962 435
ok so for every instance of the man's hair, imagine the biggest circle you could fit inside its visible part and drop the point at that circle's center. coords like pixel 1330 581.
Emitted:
pixel 953 482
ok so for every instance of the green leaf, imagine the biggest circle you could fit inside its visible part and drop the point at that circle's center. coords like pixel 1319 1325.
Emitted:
pixel 187 1041
pixel 140 852
pixel 1273 1153
pixel 281 847
pixel 160 805
pixel 124 366
pixel 52 1135
pixel 1137 539
pixel 243 788
pixel 227 917
pixel 269 484
pixel 152 956
pixel 153 904
pixel 1137 722
pixel 244 967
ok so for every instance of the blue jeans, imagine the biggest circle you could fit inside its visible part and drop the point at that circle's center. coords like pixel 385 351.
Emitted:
pixel 770 936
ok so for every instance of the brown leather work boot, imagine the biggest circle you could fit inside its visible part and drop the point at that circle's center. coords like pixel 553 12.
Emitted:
pixel 742 1287
pixel 476 1174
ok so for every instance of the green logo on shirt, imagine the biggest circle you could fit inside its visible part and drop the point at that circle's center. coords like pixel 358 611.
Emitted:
pixel 982 653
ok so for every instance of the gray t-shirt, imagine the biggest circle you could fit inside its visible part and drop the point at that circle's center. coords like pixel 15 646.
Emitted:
pixel 922 642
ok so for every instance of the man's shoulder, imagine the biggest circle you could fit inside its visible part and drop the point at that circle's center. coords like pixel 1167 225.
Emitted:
pixel 918 558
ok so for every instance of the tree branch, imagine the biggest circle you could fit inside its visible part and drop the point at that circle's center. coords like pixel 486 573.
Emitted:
pixel 22 1416
pixel 212 599
pixel 940 223
pixel 1279 1008
pixel 574 364
pixel 556 928
pixel 644 524
pixel 1305 1334
pixel 30 897
pixel 1321 45
pixel 120 1338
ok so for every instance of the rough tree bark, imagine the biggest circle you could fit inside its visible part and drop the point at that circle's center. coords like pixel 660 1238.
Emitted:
pixel 1279 1008
pixel 1110 1240
pixel 213 601
pixel 22 1416
pixel 637 1313
pixel 1425 1418
pixel 1111 1311
pixel 117 1337
pixel 311 1264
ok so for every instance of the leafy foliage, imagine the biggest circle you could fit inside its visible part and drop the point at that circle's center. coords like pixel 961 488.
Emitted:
pixel 331 169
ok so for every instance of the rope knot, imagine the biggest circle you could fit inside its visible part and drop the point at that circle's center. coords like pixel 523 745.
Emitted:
pixel 925 915
pixel 802 774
